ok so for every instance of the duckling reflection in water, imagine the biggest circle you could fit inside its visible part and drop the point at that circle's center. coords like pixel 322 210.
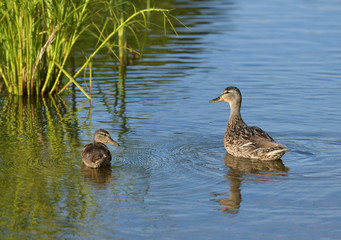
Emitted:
pixel 97 154
pixel 99 177
pixel 244 141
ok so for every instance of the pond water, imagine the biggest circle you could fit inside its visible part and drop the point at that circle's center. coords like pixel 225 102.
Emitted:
pixel 171 177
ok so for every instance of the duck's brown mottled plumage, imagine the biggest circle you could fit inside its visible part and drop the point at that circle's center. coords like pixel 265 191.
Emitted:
pixel 245 141
pixel 97 154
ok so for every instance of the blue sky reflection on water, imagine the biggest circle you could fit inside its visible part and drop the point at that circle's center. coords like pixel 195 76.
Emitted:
pixel 285 57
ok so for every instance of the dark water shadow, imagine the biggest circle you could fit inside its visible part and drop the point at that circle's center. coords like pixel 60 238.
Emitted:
pixel 238 168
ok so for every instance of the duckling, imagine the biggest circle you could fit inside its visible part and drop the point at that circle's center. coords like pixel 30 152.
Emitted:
pixel 97 154
pixel 244 141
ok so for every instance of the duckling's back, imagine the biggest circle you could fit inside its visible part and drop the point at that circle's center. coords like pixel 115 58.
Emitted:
pixel 95 155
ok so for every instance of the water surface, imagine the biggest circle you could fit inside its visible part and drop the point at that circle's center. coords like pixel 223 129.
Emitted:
pixel 171 177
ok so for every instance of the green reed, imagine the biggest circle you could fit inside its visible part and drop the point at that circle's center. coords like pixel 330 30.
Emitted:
pixel 37 38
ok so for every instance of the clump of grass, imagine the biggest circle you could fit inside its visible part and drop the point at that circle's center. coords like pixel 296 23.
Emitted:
pixel 38 36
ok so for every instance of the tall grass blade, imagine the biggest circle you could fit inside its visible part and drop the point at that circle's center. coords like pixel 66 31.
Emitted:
pixel 37 38
pixel 72 80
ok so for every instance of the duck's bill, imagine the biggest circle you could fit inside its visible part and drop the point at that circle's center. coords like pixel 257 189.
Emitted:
pixel 218 99
pixel 113 142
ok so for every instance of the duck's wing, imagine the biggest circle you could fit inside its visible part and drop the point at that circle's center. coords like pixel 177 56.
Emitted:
pixel 86 150
pixel 265 143
pixel 261 139
pixel 258 132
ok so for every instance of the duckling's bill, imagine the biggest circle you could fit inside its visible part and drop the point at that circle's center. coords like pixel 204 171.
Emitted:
pixel 110 140
pixel 218 99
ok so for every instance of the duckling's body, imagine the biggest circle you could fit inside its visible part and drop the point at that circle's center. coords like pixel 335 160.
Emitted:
pixel 97 154
pixel 241 140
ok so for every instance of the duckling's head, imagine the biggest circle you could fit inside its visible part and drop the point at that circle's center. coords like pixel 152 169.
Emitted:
pixel 103 136
pixel 231 95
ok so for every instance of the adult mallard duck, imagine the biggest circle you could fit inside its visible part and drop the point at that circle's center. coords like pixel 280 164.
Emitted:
pixel 241 140
pixel 97 154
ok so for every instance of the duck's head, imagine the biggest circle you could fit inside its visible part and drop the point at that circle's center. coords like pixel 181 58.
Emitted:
pixel 103 136
pixel 231 95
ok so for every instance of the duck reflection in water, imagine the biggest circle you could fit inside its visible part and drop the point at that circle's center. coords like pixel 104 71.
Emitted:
pixel 99 177
pixel 237 168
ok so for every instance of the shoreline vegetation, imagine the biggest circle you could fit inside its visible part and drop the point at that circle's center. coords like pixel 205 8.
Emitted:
pixel 38 38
